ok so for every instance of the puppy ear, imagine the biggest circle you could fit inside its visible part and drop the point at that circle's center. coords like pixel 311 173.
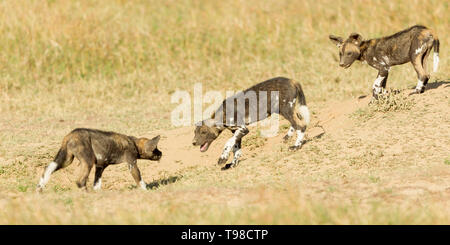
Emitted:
pixel 156 139
pixel 209 122
pixel 336 40
pixel 355 38
pixel 150 145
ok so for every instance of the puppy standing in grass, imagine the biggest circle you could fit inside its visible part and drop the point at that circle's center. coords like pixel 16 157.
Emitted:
pixel 99 148
pixel 289 93
pixel 410 45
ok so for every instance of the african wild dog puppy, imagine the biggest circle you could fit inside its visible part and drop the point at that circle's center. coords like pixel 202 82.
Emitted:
pixel 410 45
pixel 94 147
pixel 284 103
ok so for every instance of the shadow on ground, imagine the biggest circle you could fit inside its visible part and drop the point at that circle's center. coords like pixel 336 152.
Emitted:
pixel 164 181
pixel 437 84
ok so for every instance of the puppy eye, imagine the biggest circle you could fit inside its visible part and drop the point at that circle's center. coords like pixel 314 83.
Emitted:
pixel 348 53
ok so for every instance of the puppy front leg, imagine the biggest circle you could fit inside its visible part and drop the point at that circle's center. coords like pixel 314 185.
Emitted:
pixel 226 150
pixel 98 177
pixel 235 144
pixel 237 152
pixel 134 170
pixel 380 83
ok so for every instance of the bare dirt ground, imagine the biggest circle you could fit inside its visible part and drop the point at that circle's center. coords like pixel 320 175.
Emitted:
pixel 115 65
pixel 361 166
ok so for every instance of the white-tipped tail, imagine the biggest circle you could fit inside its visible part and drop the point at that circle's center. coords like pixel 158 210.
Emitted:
pixel 143 185
pixel 46 176
pixel 435 61
pixel 304 111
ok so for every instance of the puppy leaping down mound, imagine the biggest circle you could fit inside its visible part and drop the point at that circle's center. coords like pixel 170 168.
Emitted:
pixel 99 148
pixel 278 95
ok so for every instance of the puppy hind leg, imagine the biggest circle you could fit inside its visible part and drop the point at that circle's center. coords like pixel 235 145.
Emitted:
pixel 87 161
pixel 419 64
pixel 300 129
pixel 297 124
pixel 289 134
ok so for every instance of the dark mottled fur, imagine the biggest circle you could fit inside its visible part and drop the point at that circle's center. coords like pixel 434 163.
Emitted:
pixel 410 45
pixel 100 148
pixel 289 93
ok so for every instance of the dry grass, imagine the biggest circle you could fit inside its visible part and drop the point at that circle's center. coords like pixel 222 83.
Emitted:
pixel 114 65
pixel 390 102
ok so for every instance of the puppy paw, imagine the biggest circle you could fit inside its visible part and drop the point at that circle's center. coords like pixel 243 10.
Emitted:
pixel 226 167
pixel 222 161
pixel 286 138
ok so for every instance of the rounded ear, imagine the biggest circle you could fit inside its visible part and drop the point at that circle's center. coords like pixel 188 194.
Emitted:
pixel 156 139
pixel 153 143
pixel 356 38
pixel 336 40
pixel 209 122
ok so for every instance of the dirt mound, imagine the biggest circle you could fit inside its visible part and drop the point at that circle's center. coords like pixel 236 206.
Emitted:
pixel 332 120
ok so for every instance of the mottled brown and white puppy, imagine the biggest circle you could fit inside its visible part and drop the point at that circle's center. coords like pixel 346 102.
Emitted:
pixel 236 118
pixel 100 148
pixel 410 45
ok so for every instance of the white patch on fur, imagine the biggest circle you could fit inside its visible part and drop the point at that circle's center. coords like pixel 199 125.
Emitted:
pixel 290 131
pixel 99 156
pixel 419 49
pixel 419 85
pixel 48 171
pixel 435 61
pixel 143 184
pixel 377 84
pixel 228 146
pixel 230 143
pixel 374 59
pixel 299 139
pixel 304 111
pixel 386 59
pixel 98 185
pixel 292 103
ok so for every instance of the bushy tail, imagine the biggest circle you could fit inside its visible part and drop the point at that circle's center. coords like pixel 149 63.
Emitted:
pixel 63 158
pixel 303 109
pixel 435 55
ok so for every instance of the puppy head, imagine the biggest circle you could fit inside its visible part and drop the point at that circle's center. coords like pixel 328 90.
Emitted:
pixel 148 148
pixel 349 50
pixel 205 134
